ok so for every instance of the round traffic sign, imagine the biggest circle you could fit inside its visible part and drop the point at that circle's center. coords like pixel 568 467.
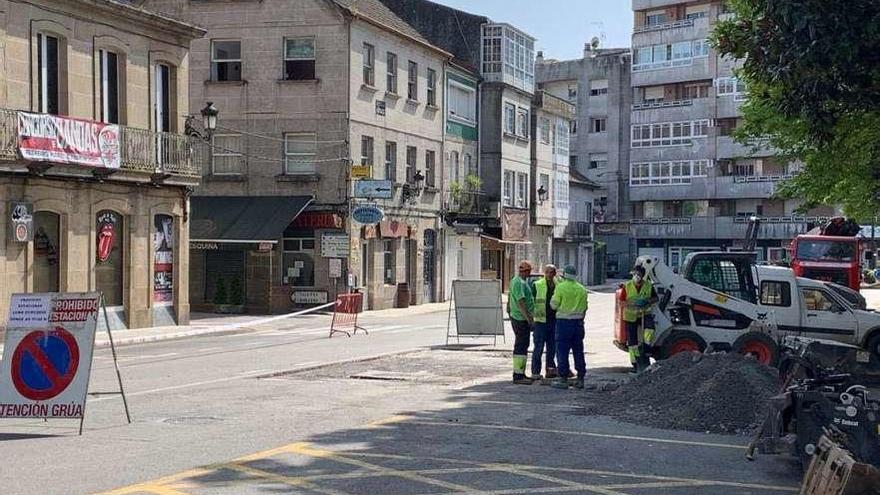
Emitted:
pixel 44 363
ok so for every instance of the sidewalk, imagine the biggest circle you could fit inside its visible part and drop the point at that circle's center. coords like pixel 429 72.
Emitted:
pixel 202 324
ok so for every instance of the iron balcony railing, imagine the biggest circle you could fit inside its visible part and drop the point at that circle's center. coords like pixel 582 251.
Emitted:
pixel 664 26
pixel 140 150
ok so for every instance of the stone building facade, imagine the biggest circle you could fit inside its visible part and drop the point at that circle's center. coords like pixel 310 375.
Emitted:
pixel 112 218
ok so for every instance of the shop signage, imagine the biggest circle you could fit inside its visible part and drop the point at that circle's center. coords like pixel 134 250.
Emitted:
pixel 309 297
pixel 163 259
pixel 265 247
pixel 48 138
pixel 204 246
pixel 368 214
pixel 334 245
pixel 22 221
pixel 361 171
pixel 318 220
pixel 48 355
pixel 335 267
pixel 373 189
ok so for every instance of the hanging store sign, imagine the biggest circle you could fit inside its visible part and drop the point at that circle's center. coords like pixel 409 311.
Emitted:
pixel 22 220
pixel 48 138
pixel 361 171
pixel 334 245
pixel 373 189
pixel 368 214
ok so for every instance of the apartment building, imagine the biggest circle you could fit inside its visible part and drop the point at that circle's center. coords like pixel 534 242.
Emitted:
pixel 598 84
pixel 691 186
pixel 317 96
pixel 504 59
pixel 95 169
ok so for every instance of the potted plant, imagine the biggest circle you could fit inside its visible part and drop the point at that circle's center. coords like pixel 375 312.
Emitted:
pixel 230 302
pixel 236 297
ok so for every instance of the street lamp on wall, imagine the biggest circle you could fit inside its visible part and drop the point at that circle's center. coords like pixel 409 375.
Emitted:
pixel 209 123
pixel 542 194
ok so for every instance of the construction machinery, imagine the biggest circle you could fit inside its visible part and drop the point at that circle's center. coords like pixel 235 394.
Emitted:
pixel 828 416
pixel 831 253
pixel 727 301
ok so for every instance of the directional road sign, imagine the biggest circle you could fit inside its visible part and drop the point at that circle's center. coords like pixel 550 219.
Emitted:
pixel 373 189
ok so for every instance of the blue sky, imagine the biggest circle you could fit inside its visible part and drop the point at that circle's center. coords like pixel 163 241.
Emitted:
pixel 561 26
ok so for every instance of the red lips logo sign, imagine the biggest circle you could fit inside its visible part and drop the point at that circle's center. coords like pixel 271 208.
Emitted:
pixel 106 236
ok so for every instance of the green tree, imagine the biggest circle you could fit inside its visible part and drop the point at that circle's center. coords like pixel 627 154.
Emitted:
pixel 236 295
pixel 220 297
pixel 812 68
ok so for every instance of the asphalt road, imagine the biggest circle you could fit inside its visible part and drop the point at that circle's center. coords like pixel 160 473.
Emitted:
pixel 261 412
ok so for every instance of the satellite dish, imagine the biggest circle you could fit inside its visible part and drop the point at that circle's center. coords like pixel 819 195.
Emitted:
pixel 595 42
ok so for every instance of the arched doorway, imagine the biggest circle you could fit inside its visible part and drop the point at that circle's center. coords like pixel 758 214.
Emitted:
pixel 47 234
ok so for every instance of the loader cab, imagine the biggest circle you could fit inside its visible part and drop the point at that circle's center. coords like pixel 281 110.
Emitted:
pixel 729 273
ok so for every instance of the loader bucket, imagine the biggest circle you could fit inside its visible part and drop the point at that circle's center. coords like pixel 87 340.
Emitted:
pixel 833 471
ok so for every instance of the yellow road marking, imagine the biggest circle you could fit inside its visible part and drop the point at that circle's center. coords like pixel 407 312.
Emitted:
pixel 579 433
pixel 388 421
pixel 285 480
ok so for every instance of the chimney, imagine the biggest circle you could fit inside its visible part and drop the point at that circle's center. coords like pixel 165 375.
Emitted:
pixel 588 49
pixel 540 58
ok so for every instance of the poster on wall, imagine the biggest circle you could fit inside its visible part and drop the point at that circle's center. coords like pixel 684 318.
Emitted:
pixel 163 259
pixel 22 220
pixel 49 138
pixel 106 232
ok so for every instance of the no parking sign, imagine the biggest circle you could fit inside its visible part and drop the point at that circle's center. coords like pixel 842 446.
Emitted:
pixel 48 355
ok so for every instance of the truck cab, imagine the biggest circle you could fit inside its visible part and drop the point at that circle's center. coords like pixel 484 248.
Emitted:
pixel 828 258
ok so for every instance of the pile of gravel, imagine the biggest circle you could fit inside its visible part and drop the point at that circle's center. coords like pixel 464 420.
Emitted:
pixel 717 393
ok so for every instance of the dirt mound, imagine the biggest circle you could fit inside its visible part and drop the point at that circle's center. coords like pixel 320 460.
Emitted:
pixel 718 393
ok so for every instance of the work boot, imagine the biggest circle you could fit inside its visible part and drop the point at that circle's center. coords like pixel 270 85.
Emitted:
pixel 579 384
pixel 569 375
pixel 560 383
pixel 537 377
pixel 522 380
pixel 552 373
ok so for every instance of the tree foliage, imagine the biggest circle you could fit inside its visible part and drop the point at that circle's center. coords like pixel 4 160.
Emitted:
pixel 812 68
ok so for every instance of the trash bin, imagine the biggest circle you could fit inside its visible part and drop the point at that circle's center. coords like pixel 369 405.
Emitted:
pixel 403 295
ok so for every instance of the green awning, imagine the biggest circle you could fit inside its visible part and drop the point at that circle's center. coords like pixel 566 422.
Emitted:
pixel 243 219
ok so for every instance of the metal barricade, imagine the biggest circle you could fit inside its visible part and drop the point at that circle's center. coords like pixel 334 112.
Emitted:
pixel 345 315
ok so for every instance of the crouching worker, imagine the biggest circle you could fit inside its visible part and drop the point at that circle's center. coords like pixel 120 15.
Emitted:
pixel 570 302
pixel 640 298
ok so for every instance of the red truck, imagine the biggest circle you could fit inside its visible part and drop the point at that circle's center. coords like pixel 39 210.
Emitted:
pixel 834 255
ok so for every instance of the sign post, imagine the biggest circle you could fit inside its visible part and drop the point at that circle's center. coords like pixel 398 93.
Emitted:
pixel 47 357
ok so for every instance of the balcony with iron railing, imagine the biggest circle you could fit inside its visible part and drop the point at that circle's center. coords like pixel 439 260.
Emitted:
pixel 775 228
pixel 143 155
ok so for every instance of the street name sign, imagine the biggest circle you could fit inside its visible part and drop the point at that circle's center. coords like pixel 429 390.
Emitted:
pixel 373 189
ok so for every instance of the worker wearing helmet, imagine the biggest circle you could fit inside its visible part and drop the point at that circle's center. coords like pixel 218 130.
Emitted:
pixel 544 336
pixel 640 297
pixel 570 302
pixel 521 307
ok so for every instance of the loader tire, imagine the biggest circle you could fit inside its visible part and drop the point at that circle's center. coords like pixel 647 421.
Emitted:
pixel 759 345
pixel 873 345
pixel 681 341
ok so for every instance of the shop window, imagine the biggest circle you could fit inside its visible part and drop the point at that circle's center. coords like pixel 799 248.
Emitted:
pixel 46 251
pixel 389 256
pixel 163 259
pixel 298 261
pixel 110 256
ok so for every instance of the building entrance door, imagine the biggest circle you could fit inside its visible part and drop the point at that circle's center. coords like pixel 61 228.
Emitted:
pixel 430 246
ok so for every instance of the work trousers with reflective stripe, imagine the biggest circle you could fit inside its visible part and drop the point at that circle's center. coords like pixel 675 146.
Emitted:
pixel 570 339
pixel 521 330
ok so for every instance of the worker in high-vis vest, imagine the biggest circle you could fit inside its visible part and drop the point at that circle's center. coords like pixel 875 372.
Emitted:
pixel 640 298
pixel 521 308
pixel 544 333
pixel 570 302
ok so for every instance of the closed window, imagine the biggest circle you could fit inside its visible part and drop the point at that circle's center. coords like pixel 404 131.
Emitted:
pixel 454 167
pixel 819 300
pixel 462 102
pixel 522 190
pixel 299 153
pixel 226 60
pixel 369 55
pixel 391 161
pixel 411 158
pixel 507 188
pixel 775 293
pixel 298 261
pixel 430 168
pixel 598 160
pixel 226 156
pixel 412 86
pixel 432 87
pixel 299 59
pixel 598 125
pixel 391 72
pixel 367 151
pixel 390 262
pixel 470 165
pixel 544 130
pixel 48 78
pixel 109 72
pixel 510 118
